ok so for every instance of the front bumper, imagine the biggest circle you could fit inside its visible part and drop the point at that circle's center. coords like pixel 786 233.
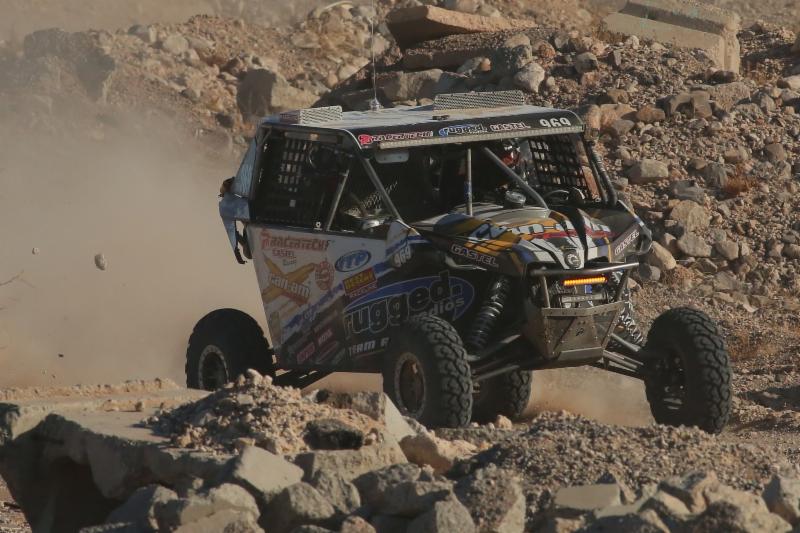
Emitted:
pixel 576 335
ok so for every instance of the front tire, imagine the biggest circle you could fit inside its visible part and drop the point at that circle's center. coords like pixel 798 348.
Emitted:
pixel 689 373
pixel 426 373
pixel 224 344
pixel 507 394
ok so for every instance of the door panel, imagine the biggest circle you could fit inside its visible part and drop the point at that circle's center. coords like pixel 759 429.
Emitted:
pixel 307 279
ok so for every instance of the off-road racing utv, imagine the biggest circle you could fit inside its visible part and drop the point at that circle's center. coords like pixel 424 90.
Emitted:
pixel 454 248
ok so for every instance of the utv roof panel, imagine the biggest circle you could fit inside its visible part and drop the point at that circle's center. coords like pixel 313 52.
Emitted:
pixel 425 125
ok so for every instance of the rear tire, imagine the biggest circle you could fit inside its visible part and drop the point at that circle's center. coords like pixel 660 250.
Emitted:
pixel 507 394
pixel 689 378
pixel 224 344
pixel 426 373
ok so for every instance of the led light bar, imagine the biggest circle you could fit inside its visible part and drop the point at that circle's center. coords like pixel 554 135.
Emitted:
pixel 596 280
pixel 453 139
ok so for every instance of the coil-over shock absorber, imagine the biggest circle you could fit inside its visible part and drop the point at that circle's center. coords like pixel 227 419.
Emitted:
pixel 627 327
pixel 490 311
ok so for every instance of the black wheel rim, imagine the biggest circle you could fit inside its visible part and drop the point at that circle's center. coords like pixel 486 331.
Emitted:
pixel 410 385
pixel 212 369
pixel 671 381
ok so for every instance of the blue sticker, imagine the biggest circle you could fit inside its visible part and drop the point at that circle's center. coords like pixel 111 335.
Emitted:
pixel 353 260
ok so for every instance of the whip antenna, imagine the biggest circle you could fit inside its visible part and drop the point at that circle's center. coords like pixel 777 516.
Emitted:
pixel 374 104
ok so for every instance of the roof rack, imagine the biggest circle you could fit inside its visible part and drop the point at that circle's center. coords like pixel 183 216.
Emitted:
pixel 475 100
pixel 313 115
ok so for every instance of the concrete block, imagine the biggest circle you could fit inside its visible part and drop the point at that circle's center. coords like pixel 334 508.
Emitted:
pixel 682 23
pixel 413 25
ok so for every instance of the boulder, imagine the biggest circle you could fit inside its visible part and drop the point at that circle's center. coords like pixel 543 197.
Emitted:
pixel 350 463
pixel 374 485
pixel 263 92
pixel 530 77
pixel 782 496
pixel 790 82
pixel 401 86
pixel 227 521
pixel 296 505
pixel 727 95
pixel 428 449
pixel 690 489
pixel 175 44
pixel 355 524
pixel 494 498
pixel 682 23
pixel 445 517
pixel 661 258
pixel 690 215
pixel 586 62
pixel 332 434
pixel 650 114
pixel 410 498
pixel 79 52
pixel 375 405
pixel 692 245
pixel 729 250
pixel 262 473
pixel 140 508
pixel 411 25
pixel 342 494
pixel 175 513
pixel 647 171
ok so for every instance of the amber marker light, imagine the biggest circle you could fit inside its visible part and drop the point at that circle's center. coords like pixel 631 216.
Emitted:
pixel 584 281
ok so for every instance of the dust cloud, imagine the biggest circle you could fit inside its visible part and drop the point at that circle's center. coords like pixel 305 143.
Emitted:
pixel 590 392
pixel 142 193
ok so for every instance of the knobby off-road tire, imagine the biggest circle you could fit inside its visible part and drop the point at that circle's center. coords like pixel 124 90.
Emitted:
pixel 690 379
pixel 507 394
pixel 426 373
pixel 223 345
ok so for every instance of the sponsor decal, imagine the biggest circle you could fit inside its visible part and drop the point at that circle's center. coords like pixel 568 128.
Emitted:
pixel 571 258
pixel 291 285
pixel 511 126
pixel 303 355
pixel 462 129
pixel 353 260
pixel 365 139
pixel 368 347
pixel 325 336
pixel 555 122
pixel 472 255
pixel 620 248
pixel 323 275
pixel 391 306
pixel 290 242
pixel 360 284
pixel 287 257
pixel 402 255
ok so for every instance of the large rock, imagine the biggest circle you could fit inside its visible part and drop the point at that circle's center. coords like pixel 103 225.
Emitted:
pixel 263 473
pixel 140 508
pixel 411 498
pixel 184 511
pixel 692 216
pixel 690 489
pixel 263 92
pixel 445 516
pixel 727 95
pixel 682 23
pixel 693 245
pixel 401 86
pixel 350 463
pixel 226 521
pixel 530 77
pixel 79 52
pixel 733 510
pixel 374 485
pixel 661 258
pixel 426 448
pixel 377 406
pixel 297 505
pixel 412 25
pixel 494 498
pixel 647 171
pixel 342 494
pixel 782 496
